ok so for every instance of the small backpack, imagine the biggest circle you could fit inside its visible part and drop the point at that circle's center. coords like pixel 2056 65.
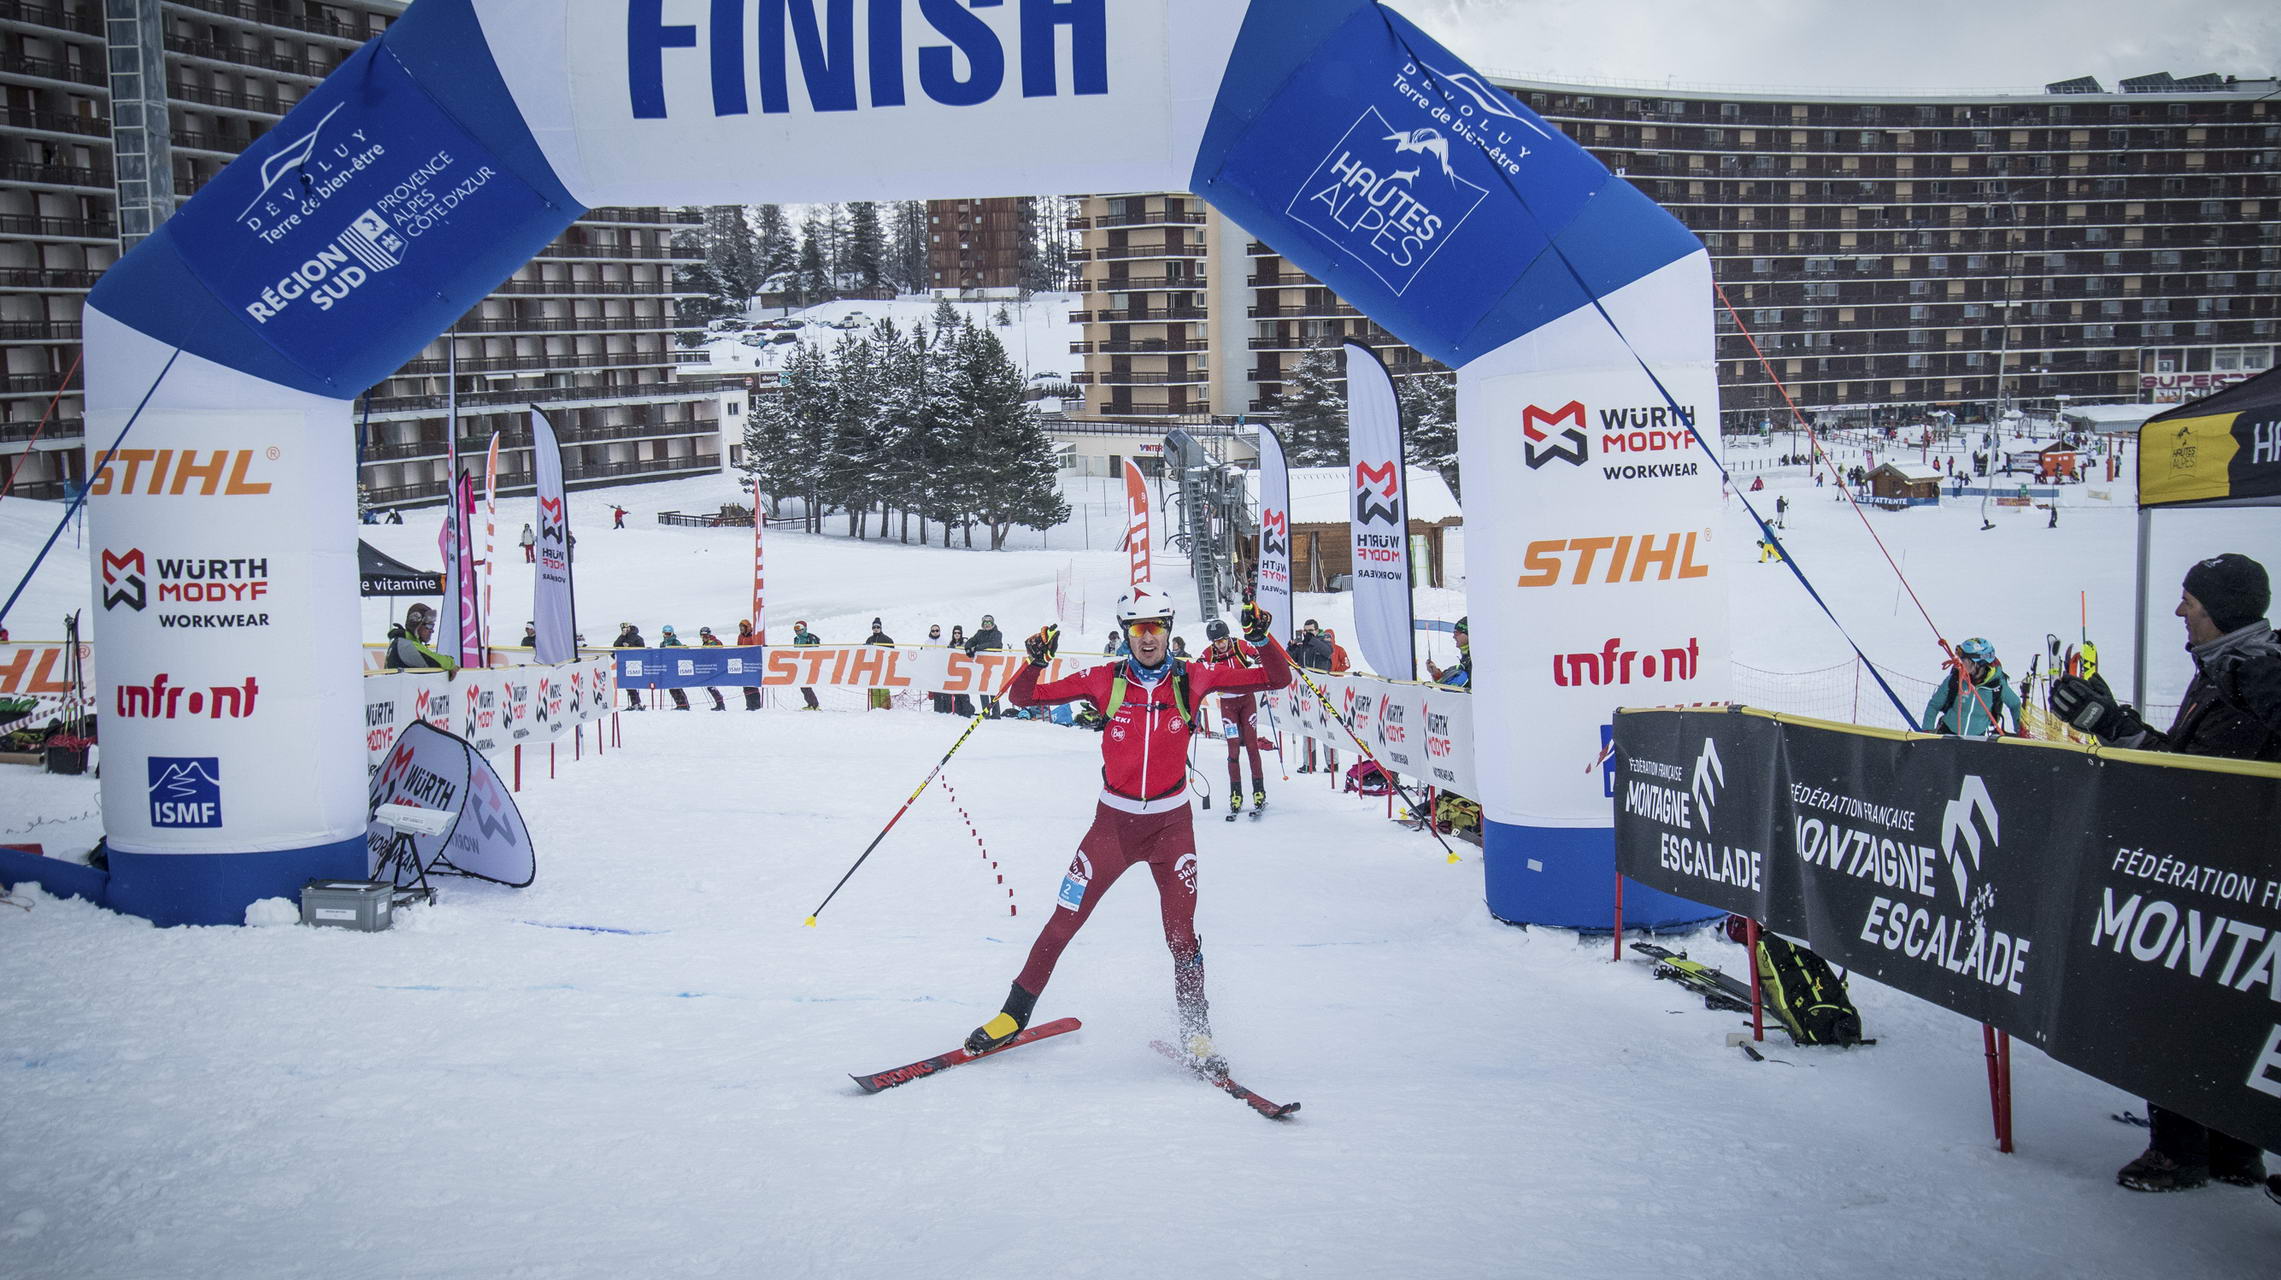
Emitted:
pixel 1805 993
pixel 1368 779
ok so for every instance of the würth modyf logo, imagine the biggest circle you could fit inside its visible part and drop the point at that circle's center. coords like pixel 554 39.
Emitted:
pixel 1960 828
pixel 1710 775
pixel 1274 535
pixel 123 580
pixel 1378 493
pixel 1540 446
pixel 1391 198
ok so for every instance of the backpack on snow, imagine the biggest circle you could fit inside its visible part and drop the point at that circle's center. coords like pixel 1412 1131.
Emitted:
pixel 1805 993
pixel 1366 778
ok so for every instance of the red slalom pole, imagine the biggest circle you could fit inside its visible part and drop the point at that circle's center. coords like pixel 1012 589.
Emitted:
pixel 518 767
pixel 1757 994
pixel 1616 944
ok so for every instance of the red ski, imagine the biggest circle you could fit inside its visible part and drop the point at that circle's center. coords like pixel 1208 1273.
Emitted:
pixel 942 1062
pixel 1272 1110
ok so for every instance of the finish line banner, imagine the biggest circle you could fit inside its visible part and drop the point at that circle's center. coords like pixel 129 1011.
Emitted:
pixel 2120 910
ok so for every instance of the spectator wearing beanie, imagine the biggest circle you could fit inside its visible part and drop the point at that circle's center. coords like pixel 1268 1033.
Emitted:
pixel 2233 709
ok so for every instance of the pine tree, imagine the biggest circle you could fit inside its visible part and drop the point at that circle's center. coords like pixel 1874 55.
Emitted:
pixel 907 246
pixel 1428 404
pixel 857 454
pixel 786 434
pixel 815 272
pixel 779 249
pixel 866 246
pixel 733 254
pixel 1314 410
pixel 1011 458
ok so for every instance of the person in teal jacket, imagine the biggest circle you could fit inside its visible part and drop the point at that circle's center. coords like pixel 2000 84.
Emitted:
pixel 1963 707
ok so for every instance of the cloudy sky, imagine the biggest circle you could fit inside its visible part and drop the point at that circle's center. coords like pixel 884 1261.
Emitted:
pixel 1922 44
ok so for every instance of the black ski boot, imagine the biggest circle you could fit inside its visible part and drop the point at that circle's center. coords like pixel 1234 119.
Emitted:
pixel 1006 1024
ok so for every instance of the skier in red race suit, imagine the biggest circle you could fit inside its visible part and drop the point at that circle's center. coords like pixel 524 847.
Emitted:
pixel 1238 710
pixel 1150 700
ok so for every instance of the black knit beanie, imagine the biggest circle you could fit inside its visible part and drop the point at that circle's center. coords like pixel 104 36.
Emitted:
pixel 2232 588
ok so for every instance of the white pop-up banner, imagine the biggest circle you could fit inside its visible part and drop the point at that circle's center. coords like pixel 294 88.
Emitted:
pixel 554 609
pixel 1378 518
pixel 1274 587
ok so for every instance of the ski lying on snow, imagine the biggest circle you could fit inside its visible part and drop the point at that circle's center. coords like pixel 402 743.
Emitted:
pixel 1717 989
pixel 942 1062
pixel 1273 1111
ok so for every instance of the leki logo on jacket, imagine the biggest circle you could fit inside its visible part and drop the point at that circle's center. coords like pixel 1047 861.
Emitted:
pixel 1540 447
pixel 1373 482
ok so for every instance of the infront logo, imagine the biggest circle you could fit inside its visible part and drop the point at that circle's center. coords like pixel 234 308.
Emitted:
pixel 1613 559
pixel 163 700
pixel 1538 445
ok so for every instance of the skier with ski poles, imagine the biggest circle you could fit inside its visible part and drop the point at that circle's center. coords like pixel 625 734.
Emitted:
pixel 1142 815
pixel 1238 711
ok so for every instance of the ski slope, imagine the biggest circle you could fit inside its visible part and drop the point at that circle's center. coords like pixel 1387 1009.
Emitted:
pixel 639 1065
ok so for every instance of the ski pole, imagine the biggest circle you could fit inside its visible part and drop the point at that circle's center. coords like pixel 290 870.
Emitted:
pixel 1281 761
pixel 971 725
pixel 1368 754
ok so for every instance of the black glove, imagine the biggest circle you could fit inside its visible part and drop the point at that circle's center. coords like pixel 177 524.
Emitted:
pixel 2090 706
pixel 1042 645
pixel 1255 620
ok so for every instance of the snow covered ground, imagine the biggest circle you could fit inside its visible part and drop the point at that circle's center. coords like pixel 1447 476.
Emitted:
pixel 638 1066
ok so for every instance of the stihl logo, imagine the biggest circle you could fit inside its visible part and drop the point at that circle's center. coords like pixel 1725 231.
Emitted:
pixel 1710 775
pixel 1371 482
pixel 123 580
pixel 1613 559
pixel 181 473
pixel 1537 444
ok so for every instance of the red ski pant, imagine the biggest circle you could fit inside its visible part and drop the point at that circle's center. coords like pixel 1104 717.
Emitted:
pixel 1241 713
pixel 1117 841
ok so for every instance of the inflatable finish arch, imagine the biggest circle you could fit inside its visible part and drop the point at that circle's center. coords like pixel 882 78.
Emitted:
pixel 444 154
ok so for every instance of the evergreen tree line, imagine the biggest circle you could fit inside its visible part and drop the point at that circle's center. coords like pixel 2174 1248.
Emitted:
pixel 930 422
pixel 860 249
pixel 1314 415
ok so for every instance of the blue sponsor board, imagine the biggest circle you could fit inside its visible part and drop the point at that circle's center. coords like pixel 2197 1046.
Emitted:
pixel 388 202
pixel 185 791
pixel 688 668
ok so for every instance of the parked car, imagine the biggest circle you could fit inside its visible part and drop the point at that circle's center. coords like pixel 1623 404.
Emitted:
pixel 753 340
pixel 783 337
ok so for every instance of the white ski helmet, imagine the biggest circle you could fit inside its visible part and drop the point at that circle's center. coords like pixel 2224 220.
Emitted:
pixel 1143 605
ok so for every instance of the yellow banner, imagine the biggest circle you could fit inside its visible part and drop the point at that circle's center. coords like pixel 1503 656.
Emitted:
pixel 2185 460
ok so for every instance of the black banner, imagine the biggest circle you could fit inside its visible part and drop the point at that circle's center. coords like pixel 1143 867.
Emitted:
pixel 2118 909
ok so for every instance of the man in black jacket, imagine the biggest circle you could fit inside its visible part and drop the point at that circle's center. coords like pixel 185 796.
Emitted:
pixel 1312 650
pixel 2232 709
pixel 986 639
pixel 628 638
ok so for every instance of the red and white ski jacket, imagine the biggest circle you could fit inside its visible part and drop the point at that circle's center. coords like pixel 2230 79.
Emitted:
pixel 1240 655
pixel 1144 747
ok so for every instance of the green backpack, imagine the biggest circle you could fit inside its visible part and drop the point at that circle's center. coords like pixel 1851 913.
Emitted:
pixel 1805 993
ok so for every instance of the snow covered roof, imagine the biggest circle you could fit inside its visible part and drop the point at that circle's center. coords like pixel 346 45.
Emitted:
pixel 1318 496
pixel 1913 472
pixel 2114 417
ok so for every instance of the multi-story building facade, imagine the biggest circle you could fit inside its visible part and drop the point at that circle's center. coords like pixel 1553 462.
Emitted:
pixel 975 244
pixel 1890 255
pixel 95 153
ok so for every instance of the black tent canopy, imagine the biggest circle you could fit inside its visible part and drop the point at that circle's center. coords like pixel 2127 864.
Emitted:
pixel 380 574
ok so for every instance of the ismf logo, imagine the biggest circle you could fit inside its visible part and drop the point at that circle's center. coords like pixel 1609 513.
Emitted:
pixel 1540 447
pixel 185 791
pixel 1377 493
pixel 1960 837
pixel 1391 198
pixel 1710 775
pixel 123 580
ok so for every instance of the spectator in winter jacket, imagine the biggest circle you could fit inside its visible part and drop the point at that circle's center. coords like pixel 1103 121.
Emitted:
pixel 987 639
pixel 707 640
pixel 530 546
pixel 408 647
pixel 1459 676
pixel 667 640
pixel 1314 651
pixel 628 638
pixel 803 638
pixel 880 699
pixel 1114 646
pixel 939 701
pixel 747 638
pixel 2232 709
pixel 1974 696
pixel 530 635
pixel 960 704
